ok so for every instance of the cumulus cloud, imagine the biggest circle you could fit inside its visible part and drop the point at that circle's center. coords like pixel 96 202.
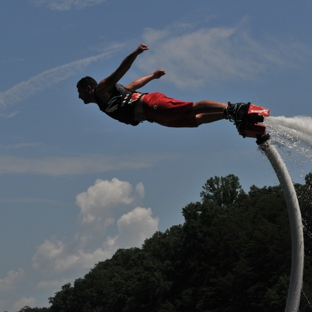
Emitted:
pixel 64 5
pixel 13 278
pixel 56 261
pixel 23 302
pixel 50 250
pixel 210 55
pixel 135 226
pixel 8 286
pixel 104 195
pixel 55 258
pixel 98 205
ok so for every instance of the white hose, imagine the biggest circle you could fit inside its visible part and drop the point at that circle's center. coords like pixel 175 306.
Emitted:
pixel 295 286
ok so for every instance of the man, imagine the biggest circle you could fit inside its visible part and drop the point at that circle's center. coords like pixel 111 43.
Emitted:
pixel 129 106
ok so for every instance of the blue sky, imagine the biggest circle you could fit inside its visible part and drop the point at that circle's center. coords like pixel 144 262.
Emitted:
pixel 76 185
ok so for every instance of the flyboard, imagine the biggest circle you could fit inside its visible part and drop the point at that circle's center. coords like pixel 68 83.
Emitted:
pixel 249 123
pixel 249 120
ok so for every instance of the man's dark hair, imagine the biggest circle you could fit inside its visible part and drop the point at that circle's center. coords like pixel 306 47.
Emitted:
pixel 86 81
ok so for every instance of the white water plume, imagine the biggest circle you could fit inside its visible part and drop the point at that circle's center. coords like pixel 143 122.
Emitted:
pixel 294 133
pixel 299 123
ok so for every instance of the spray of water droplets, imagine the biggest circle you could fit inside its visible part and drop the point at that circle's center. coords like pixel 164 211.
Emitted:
pixel 292 135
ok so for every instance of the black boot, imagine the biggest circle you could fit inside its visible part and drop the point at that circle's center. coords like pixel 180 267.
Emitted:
pixel 235 112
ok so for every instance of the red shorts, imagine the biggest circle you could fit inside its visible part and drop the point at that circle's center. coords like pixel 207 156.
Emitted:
pixel 168 112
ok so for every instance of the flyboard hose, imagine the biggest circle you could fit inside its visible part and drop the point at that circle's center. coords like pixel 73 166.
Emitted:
pixel 295 286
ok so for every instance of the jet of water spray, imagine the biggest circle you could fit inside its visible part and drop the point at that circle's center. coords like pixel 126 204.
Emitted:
pixel 291 132
pixel 299 123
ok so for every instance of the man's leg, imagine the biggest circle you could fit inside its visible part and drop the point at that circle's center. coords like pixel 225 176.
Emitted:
pixel 208 106
pixel 207 118
pixel 207 111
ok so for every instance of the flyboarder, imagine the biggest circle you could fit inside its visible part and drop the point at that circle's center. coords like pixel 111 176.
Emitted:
pixel 130 106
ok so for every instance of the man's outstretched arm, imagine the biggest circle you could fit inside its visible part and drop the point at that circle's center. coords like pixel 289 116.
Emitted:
pixel 139 83
pixel 109 82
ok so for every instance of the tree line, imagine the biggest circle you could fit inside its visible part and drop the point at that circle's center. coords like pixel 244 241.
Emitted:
pixel 232 253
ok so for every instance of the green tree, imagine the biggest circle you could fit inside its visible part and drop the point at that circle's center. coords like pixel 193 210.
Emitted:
pixel 222 191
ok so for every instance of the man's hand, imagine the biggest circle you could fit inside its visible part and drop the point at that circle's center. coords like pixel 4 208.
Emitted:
pixel 142 47
pixel 158 73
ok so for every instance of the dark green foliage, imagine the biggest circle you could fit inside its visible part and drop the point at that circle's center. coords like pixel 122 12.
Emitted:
pixel 233 253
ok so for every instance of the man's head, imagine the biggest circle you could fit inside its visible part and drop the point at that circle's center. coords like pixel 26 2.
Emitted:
pixel 86 88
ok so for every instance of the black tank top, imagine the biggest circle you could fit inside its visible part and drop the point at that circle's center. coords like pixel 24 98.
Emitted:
pixel 120 106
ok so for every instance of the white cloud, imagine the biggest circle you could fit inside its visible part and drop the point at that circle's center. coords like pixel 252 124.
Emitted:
pixel 64 5
pixel 30 302
pixel 19 145
pixel 58 261
pixel 7 116
pixel 52 284
pixel 100 198
pixel 51 260
pixel 210 55
pixel 57 166
pixel 56 258
pixel 49 78
pixel 25 200
pixel 10 282
pixel 135 226
pixel 89 259
pixel 139 189
pixel 49 255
